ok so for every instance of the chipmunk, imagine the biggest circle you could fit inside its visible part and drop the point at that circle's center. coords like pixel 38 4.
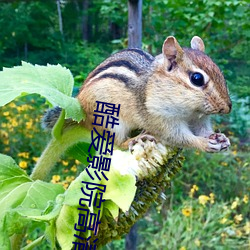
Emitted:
pixel 170 97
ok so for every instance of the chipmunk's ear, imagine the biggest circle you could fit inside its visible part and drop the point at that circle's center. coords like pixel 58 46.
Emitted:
pixel 171 49
pixel 197 43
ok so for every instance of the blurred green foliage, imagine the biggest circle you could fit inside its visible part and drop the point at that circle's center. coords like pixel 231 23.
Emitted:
pixel 30 32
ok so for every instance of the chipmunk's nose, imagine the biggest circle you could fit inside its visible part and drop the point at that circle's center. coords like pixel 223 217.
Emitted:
pixel 227 108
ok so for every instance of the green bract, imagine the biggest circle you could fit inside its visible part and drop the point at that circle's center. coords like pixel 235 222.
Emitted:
pixel 119 194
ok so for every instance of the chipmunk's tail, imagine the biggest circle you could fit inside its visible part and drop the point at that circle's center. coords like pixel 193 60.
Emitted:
pixel 50 118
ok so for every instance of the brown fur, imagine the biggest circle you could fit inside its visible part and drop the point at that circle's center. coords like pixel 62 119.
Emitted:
pixel 156 94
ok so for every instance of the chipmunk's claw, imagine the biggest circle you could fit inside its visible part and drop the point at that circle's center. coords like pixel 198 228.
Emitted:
pixel 218 142
pixel 141 139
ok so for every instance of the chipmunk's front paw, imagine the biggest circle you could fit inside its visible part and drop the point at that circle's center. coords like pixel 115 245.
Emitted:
pixel 141 139
pixel 218 142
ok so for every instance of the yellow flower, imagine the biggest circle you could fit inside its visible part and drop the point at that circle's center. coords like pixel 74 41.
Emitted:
pixel 211 195
pixel 183 248
pixel 203 199
pixel 73 168
pixel 247 227
pixel 65 163
pixel 245 199
pixel 70 178
pixel 238 233
pixel 193 190
pixel 65 185
pixel 224 164
pixel 24 107
pixel 238 159
pixel 197 242
pixel 29 124
pixel 238 218
pixel 29 135
pixel 14 123
pixel 235 203
pixel 77 162
pixel 234 152
pixel 197 152
pixel 4 134
pixel 23 164
pixel 24 154
pixel 6 113
pixel 187 211
pixel 6 149
pixel 223 235
pixel 12 105
pixel 19 108
pixel 35 159
pixel 6 141
pixel 223 220
pixel 55 178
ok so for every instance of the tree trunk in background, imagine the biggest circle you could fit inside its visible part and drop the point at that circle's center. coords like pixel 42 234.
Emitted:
pixel 134 41
pixel 85 20
pixel 59 16
pixel 135 23
pixel 131 238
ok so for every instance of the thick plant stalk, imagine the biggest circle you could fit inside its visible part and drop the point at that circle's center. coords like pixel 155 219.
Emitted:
pixel 56 147
pixel 52 153
pixel 157 172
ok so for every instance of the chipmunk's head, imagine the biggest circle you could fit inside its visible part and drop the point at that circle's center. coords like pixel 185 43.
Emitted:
pixel 197 75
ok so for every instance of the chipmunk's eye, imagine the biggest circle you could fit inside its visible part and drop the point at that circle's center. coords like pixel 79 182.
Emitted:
pixel 197 79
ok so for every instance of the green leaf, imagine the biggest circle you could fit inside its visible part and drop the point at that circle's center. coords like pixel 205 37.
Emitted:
pixel 69 213
pixel 4 240
pixel 65 226
pixel 9 168
pixel 50 233
pixel 29 200
pixel 48 216
pixel 8 220
pixel 34 243
pixel 74 193
pixel 18 189
pixel 57 129
pixel 6 186
pixel 13 223
pixel 120 189
pixel 39 194
pixel 112 208
pixel 22 200
pixel 79 151
pixel 14 198
pixel 53 82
